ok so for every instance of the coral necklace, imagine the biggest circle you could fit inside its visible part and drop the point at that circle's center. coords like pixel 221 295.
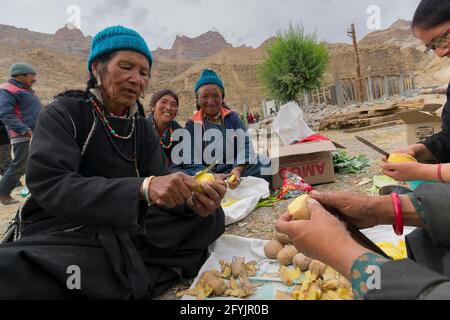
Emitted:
pixel 106 123
pixel 166 135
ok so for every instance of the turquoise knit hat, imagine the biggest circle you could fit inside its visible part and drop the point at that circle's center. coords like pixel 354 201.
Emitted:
pixel 115 39
pixel 209 77
pixel 21 68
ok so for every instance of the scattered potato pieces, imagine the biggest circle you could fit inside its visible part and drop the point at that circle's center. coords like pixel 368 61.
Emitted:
pixel 232 281
pixel 289 276
pixel 213 280
pixel 396 252
pixel 327 284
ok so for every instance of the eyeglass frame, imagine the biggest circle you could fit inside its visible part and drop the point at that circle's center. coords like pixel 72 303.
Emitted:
pixel 433 46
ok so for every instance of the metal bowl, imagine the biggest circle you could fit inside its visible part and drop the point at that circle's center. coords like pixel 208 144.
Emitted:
pixel 385 191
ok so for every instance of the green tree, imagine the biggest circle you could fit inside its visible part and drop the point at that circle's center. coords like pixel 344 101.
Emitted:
pixel 295 63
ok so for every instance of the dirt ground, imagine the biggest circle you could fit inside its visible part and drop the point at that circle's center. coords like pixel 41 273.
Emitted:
pixel 260 224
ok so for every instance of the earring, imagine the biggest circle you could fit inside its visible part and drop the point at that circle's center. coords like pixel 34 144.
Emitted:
pixel 142 96
pixel 99 81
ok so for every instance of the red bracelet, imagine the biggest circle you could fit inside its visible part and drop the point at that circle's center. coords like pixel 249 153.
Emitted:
pixel 398 226
pixel 439 170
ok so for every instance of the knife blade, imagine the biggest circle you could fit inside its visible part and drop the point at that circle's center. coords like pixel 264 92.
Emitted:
pixel 374 147
pixel 356 234
pixel 207 170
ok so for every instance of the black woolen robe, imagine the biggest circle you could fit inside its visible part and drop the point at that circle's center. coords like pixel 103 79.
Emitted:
pixel 439 144
pixel 85 211
pixel 426 274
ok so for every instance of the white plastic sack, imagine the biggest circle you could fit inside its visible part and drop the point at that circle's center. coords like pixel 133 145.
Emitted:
pixel 291 125
pixel 239 203
pixel 228 246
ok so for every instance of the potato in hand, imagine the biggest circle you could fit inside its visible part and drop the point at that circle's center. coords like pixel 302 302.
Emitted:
pixel 298 209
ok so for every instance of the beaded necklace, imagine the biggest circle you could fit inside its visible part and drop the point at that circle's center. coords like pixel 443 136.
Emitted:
pixel 112 134
pixel 166 136
pixel 107 124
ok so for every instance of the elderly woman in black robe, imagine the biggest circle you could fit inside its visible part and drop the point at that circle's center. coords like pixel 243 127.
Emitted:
pixel 426 273
pixel 105 220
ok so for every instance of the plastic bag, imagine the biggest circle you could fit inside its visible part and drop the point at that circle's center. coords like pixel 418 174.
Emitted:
pixel 239 203
pixel 293 186
pixel 291 125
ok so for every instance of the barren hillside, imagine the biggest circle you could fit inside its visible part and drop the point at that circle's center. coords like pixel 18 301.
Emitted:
pixel 61 61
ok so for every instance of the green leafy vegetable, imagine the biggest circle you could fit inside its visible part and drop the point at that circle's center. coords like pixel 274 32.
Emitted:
pixel 345 164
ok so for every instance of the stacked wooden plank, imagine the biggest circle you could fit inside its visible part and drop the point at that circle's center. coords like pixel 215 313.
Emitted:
pixel 371 117
pixel 360 117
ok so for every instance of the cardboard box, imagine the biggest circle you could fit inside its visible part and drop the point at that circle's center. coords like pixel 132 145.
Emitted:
pixel 313 161
pixel 422 124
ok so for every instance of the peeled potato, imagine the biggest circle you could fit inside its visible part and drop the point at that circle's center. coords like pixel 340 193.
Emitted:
pixel 344 283
pixel 298 209
pixel 204 178
pixel 302 262
pixel 286 255
pixel 283 238
pixel 272 248
pixel 401 158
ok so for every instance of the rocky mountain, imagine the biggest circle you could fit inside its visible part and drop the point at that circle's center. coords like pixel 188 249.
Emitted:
pixel 398 34
pixel 185 48
pixel 65 40
pixel 61 59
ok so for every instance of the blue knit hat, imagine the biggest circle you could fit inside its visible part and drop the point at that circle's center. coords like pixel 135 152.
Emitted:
pixel 115 39
pixel 209 77
pixel 21 68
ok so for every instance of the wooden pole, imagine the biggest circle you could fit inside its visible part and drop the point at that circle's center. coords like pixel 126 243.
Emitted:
pixel 352 33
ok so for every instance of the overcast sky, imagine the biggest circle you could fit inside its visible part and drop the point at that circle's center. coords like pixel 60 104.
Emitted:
pixel 241 22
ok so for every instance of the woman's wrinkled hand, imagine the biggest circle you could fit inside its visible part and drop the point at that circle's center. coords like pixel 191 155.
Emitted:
pixel 221 176
pixel 207 202
pixel 319 238
pixel 234 179
pixel 360 209
pixel 172 190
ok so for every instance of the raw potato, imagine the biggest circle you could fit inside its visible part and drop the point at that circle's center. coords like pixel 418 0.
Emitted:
pixel 272 249
pixel 302 262
pixel 286 255
pixel 299 208
pixel 283 238
pixel 318 268
pixel 217 284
